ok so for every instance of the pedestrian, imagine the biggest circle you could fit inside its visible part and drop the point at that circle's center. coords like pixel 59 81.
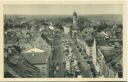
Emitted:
pixel 55 73
pixel 57 66
pixel 67 65
pixel 68 73
pixel 77 71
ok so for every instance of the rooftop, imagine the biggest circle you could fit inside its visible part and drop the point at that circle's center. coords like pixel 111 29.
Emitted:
pixel 37 58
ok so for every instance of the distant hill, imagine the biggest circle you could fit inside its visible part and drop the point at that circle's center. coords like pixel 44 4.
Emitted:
pixel 109 18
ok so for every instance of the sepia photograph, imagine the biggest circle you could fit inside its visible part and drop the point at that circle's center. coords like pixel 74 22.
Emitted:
pixel 63 40
pixel 69 81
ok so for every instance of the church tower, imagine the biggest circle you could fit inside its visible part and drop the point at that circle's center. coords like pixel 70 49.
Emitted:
pixel 75 20
pixel 74 29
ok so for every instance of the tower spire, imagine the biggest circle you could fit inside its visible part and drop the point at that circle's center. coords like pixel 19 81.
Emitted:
pixel 75 20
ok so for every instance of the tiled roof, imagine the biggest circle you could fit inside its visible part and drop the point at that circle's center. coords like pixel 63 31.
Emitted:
pixel 22 67
pixel 37 58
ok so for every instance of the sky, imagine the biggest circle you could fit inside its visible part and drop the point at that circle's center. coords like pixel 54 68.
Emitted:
pixel 62 9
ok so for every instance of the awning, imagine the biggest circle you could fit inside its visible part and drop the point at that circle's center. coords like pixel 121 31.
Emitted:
pixel 34 50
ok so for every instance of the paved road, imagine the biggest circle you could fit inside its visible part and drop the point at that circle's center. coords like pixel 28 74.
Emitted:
pixel 83 66
pixel 58 57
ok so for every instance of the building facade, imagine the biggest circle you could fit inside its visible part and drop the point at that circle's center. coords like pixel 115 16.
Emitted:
pixel 100 63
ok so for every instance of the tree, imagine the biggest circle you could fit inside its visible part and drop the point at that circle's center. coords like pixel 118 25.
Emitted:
pixel 59 26
pixel 83 23
pixel 101 27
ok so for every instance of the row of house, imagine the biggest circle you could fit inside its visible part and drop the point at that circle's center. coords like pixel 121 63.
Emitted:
pixel 100 63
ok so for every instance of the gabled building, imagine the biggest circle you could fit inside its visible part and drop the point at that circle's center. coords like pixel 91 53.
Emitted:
pixel 100 64
pixel 39 56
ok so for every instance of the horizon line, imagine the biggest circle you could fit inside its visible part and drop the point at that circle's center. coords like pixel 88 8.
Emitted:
pixel 64 14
